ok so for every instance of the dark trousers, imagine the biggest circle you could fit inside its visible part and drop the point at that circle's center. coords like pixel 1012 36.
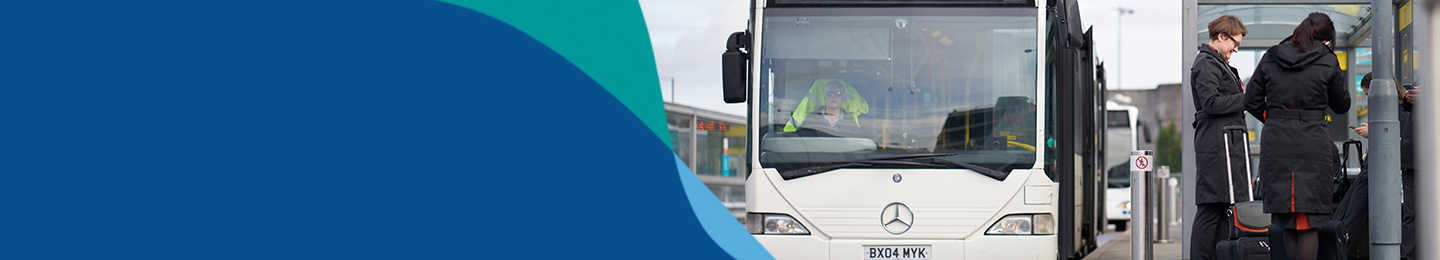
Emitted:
pixel 1211 226
pixel 1354 213
pixel 1407 214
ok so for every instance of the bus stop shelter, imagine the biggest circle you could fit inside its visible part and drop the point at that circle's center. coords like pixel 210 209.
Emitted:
pixel 1268 23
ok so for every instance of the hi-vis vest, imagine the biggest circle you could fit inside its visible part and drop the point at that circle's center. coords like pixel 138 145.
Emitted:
pixel 854 104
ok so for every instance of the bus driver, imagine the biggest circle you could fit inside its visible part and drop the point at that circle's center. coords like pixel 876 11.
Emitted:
pixel 838 115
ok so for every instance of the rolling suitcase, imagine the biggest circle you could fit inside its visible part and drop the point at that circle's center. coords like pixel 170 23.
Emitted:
pixel 1249 238
pixel 1342 181
pixel 1248 218
pixel 1334 241
pixel 1353 209
pixel 1335 236
pixel 1244 248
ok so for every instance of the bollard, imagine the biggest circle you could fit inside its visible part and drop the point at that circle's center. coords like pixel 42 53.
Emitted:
pixel 1162 199
pixel 1141 237
pixel 1174 184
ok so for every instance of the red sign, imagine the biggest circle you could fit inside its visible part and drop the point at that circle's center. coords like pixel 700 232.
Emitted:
pixel 1142 162
pixel 712 126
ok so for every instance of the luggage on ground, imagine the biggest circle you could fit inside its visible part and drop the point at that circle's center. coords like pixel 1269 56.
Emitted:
pixel 1249 238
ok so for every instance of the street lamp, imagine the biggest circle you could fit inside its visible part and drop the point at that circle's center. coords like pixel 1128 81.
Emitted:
pixel 1118 41
pixel 672 88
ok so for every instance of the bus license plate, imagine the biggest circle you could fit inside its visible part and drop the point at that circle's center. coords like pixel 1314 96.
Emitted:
pixel 897 252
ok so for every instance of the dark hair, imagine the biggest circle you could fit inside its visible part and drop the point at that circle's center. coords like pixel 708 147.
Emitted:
pixel 1365 84
pixel 1227 25
pixel 1365 81
pixel 1316 27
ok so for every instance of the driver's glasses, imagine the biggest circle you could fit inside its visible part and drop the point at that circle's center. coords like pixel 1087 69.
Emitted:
pixel 834 93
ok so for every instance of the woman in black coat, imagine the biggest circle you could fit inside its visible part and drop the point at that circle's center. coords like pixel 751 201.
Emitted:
pixel 1292 86
pixel 1219 102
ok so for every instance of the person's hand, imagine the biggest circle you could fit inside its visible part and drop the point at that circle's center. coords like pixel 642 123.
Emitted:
pixel 1412 94
pixel 1363 130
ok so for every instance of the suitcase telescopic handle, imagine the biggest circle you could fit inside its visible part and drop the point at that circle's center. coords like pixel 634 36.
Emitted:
pixel 1245 142
pixel 1358 150
pixel 1345 153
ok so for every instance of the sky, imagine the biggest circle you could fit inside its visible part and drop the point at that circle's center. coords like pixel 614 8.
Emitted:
pixel 688 37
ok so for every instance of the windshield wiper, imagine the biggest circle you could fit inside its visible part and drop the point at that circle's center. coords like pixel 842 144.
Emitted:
pixel 992 173
pixel 888 160
pixel 864 163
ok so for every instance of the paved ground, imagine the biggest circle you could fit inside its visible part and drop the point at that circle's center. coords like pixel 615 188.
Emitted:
pixel 1119 247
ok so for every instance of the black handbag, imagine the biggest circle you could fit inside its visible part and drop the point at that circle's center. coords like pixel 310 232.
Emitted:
pixel 1342 180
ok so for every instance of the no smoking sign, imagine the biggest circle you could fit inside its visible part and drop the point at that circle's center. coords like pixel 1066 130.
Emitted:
pixel 1141 162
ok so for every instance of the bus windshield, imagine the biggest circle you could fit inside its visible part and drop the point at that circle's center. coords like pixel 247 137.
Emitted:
pixel 1120 140
pixel 840 85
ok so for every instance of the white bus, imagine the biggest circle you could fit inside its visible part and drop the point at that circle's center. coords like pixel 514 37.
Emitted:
pixel 929 129
pixel 1121 137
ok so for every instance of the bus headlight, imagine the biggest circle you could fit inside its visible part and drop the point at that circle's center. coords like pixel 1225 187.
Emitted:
pixel 774 224
pixel 1024 224
pixel 1044 224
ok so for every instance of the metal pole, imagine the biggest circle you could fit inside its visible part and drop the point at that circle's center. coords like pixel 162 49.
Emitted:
pixel 694 134
pixel 1162 199
pixel 1174 184
pixel 1427 228
pixel 1141 238
pixel 1384 156
pixel 1189 28
pixel 1119 40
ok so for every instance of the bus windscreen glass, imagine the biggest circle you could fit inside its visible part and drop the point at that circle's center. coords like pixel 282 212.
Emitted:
pixel 898 2
pixel 839 85
pixel 1119 141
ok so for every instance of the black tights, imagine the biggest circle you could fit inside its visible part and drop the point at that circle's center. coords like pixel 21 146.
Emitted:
pixel 1302 244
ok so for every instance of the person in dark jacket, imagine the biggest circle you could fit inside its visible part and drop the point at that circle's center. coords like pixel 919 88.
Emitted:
pixel 1354 210
pixel 1292 86
pixel 1356 205
pixel 1219 102
pixel 1408 200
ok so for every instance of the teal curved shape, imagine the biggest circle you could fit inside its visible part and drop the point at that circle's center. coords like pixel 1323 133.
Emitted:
pixel 717 220
pixel 608 40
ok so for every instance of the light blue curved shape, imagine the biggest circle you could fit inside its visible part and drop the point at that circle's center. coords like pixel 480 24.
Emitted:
pixel 717 220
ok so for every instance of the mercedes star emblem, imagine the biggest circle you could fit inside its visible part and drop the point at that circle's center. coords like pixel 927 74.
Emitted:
pixel 896 218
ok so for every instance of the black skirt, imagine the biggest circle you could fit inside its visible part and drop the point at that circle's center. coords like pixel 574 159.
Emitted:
pixel 1288 220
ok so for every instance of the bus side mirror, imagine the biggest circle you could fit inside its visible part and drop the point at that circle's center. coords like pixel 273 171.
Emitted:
pixel 734 66
pixel 1100 75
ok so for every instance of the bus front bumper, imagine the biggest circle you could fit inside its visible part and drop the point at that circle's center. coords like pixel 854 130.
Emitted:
pixel 786 247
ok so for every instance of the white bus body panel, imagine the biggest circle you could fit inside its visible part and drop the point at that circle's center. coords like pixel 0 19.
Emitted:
pixel 1114 197
pixel 953 223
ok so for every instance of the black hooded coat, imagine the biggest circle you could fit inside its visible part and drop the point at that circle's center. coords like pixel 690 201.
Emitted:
pixel 1219 102
pixel 1289 92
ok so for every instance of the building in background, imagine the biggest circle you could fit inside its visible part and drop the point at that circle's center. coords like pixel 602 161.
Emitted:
pixel 1159 106
pixel 712 144
pixel 1159 121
